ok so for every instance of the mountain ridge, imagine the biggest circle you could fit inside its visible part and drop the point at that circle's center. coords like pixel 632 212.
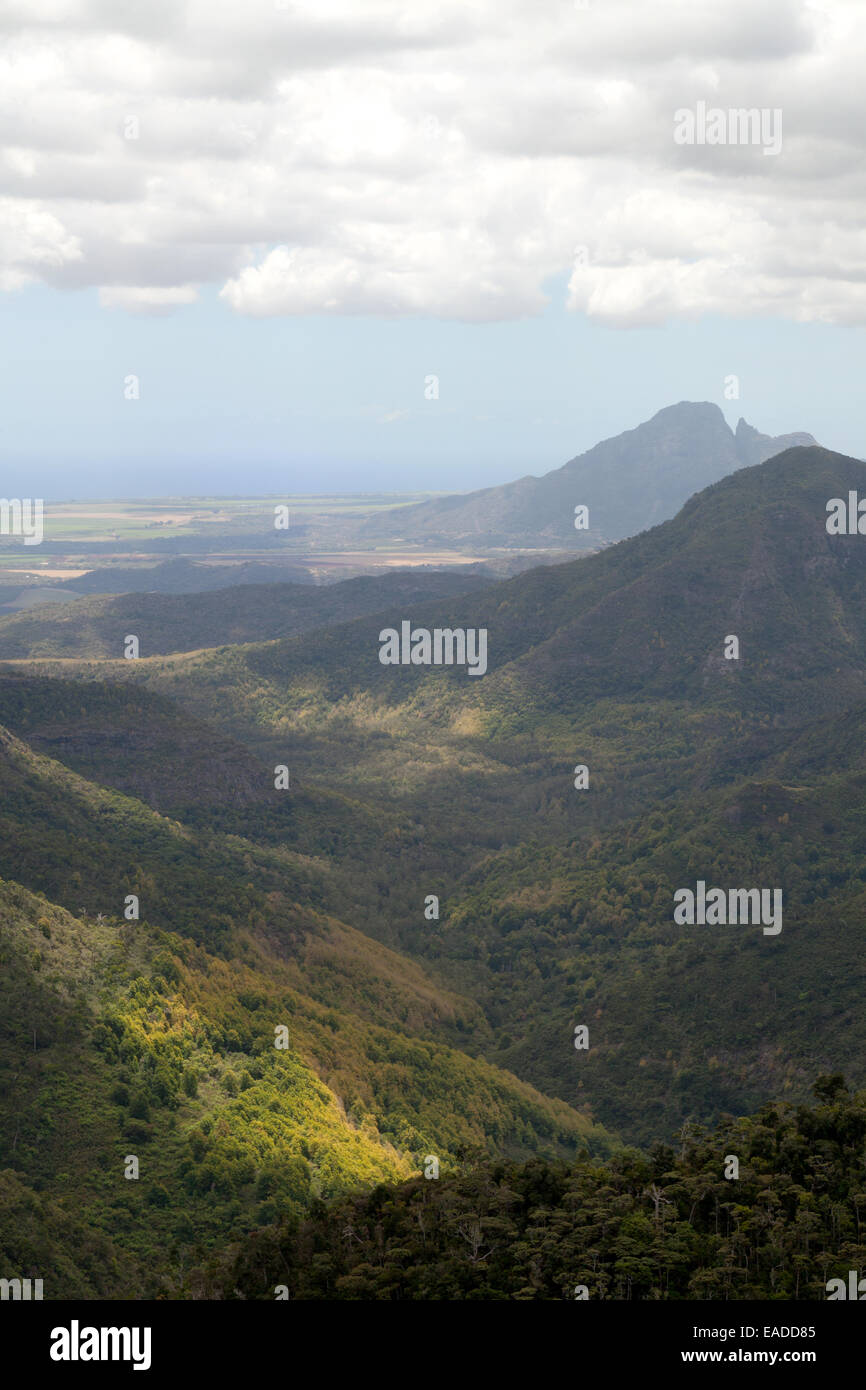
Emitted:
pixel 677 452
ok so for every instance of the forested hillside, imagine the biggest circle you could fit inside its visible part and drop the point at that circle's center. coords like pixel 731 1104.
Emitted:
pixel 674 1224
pixel 181 622
pixel 454 1030
pixel 156 1038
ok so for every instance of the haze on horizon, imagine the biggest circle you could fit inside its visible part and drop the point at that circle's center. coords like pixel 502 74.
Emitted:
pixel 283 222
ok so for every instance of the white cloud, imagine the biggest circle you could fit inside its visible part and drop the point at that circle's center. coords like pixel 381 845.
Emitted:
pixel 33 243
pixel 146 299
pixel 401 157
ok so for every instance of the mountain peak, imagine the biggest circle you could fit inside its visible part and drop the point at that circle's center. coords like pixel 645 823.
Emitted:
pixel 707 410
pixel 629 482
pixel 754 447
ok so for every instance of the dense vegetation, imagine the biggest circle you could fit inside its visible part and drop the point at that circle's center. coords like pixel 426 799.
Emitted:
pixel 669 1225
pixel 452 1036
pixel 120 1038
pixel 181 622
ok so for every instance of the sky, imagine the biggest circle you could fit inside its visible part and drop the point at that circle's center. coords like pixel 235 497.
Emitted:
pixel 382 246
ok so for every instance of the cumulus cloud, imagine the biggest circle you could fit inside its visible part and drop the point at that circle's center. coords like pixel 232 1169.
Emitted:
pixel 146 299
pixel 33 243
pixel 400 157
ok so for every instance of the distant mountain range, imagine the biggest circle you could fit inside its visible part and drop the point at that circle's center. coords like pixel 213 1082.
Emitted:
pixel 180 622
pixel 183 576
pixel 629 483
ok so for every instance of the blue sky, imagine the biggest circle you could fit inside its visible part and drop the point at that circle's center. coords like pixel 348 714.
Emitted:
pixel 234 404
pixel 283 217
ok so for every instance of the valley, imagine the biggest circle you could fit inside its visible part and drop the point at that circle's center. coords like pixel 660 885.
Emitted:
pixel 304 903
